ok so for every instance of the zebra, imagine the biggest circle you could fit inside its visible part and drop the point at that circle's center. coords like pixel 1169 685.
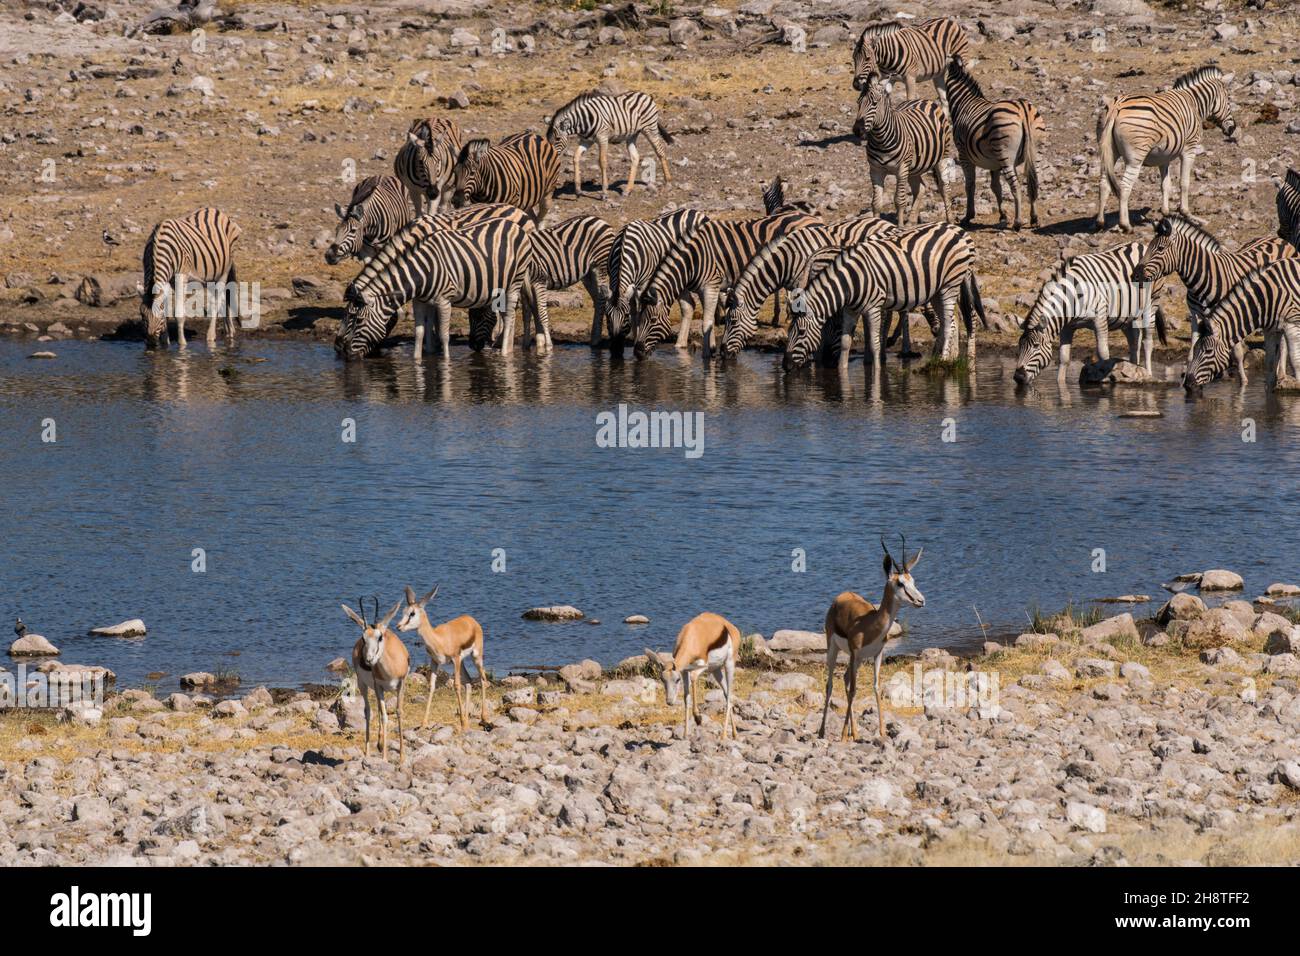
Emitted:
pixel 1268 299
pixel 1206 269
pixel 604 118
pixel 638 249
pixel 774 200
pixel 576 250
pixel 376 211
pixel 704 265
pixel 993 135
pixel 912 52
pixel 1288 208
pixel 906 141
pixel 372 312
pixel 198 246
pixel 425 161
pixel 787 262
pixel 1096 291
pixel 522 170
pixel 932 264
pixel 1154 130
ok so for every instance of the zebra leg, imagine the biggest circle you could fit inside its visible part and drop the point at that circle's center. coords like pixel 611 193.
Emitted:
pixel 442 320
pixel 875 343
pixel 968 171
pixel 1164 189
pixel 229 297
pixel 710 306
pixel 181 282
pixel 902 210
pixel 1185 193
pixel 1100 221
pixel 1126 183
pixel 1101 327
pixel 1134 338
pixel 942 188
pixel 578 150
pixel 941 88
pixel 661 153
pixel 684 332
pixel 541 314
pixel 420 314
pixel 995 182
pixel 1013 181
pixel 1291 333
pixel 417 199
pixel 877 188
pixel 633 161
pixel 602 144
pixel 591 283
pixel 1031 186
pixel 1063 360
pixel 848 321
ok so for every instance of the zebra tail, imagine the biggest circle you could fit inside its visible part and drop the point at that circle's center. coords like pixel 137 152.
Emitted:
pixel 972 304
pixel 1161 326
pixel 664 134
pixel 1031 168
pixel 1106 141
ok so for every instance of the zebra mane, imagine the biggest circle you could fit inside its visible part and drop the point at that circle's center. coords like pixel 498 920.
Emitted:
pixel 881 28
pixel 1293 179
pixel 962 77
pixel 365 189
pixel 774 195
pixel 475 149
pixel 1197 76
pixel 1184 227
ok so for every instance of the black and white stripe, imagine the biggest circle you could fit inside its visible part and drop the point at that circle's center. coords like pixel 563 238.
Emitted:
pixel 705 265
pixel 917 52
pixel 1155 129
pixel 638 249
pixel 906 142
pixel 522 170
pixel 425 161
pixel 377 210
pixel 439 264
pixel 604 118
pixel 932 264
pixel 787 262
pixel 576 250
pixel 995 135
pixel 1266 299
pixel 200 246
pixel 775 201
pixel 1093 291
pixel 1288 208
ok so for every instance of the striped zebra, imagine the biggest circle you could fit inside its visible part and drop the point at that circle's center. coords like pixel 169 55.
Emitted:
pixel 1094 291
pixel 604 118
pixel 200 246
pixel 1155 129
pixel 425 161
pixel 522 170
pixel 638 249
pixel 1266 299
pixel 994 135
pixel 376 211
pixel 1206 269
pixel 932 264
pixel 705 265
pixel 1288 208
pixel 917 52
pixel 787 262
pixel 442 261
pixel 906 142
pixel 575 250
pixel 774 199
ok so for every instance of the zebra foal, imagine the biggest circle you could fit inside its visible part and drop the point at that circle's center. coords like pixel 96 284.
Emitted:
pixel 424 163
pixel 907 142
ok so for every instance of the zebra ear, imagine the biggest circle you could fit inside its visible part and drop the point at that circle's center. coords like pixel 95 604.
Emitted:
pixel 1205 330
pixel 340 211
pixel 1164 228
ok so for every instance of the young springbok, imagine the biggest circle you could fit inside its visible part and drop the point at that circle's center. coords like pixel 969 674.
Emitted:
pixel 707 642
pixel 450 642
pixel 381 663
pixel 856 626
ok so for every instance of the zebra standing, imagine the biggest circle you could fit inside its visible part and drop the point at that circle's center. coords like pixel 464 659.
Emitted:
pixel 997 136
pixel 1154 130
pixel 575 250
pixel 198 246
pixel 1288 208
pixel 483 267
pixel 638 249
pixel 932 264
pixel 1267 299
pixel 1206 269
pixel 376 211
pixel 787 262
pixel 522 170
pixel 426 159
pixel 906 142
pixel 1094 291
pixel 604 118
pixel 704 265
pixel 915 52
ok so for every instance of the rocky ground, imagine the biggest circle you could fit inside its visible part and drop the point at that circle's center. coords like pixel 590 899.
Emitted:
pixel 1166 740
pixel 272 109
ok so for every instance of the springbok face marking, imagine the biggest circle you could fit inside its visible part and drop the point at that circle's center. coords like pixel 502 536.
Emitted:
pixel 411 617
pixel 372 635
pixel 668 674
pixel 900 575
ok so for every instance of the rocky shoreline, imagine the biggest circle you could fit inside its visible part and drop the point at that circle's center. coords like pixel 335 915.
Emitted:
pixel 1170 739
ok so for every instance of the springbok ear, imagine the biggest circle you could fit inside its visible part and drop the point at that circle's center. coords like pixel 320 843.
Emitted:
pixel 356 618
pixel 410 596
pixel 654 660
pixel 429 597
pixel 916 560
pixel 390 615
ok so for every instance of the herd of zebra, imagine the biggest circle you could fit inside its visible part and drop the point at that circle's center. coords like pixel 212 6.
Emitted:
pixel 489 252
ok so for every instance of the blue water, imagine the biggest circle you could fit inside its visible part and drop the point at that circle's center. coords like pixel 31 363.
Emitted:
pixel 158 454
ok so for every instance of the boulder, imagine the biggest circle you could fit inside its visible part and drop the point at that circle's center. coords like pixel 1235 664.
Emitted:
pixel 338 666
pixel 1218 579
pixel 198 679
pixel 1083 816
pixel 1180 607
pixel 554 612
pixel 1220 657
pixel 1094 667
pixel 683 31
pixel 636 619
pixel 230 708
pixel 1036 642
pixel 132 628
pixel 1282 590
pixel 790 640
pixel 98 291
pixel 640 689
pixel 32 645
pixel 1215 628
pixel 1283 642
pixel 1113 372
pixel 1121 626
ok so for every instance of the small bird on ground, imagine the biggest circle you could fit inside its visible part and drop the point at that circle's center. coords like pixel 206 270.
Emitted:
pixel 110 241
pixel 20 628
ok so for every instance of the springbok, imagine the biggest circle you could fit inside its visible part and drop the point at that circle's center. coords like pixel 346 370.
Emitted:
pixel 859 628
pixel 381 663
pixel 707 642
pixel 450 642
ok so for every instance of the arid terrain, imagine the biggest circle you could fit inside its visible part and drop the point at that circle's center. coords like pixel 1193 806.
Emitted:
pixel 272 110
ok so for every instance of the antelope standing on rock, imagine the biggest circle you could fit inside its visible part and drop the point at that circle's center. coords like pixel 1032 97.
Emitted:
pixel 450 642
pixel 856 626
pixel 381 663
pixel 707 642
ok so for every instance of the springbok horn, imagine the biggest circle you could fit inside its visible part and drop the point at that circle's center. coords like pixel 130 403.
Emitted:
pixel 886 547
pixel 361 603
pixel 904 537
